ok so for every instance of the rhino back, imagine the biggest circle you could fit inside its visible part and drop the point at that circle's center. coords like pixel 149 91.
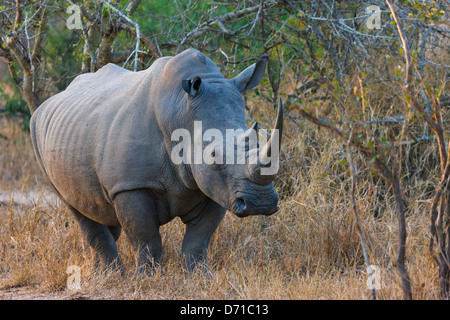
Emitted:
pixel 98 138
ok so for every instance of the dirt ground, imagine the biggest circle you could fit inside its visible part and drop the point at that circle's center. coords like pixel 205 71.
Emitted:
pixel 28 198
pixel 31 293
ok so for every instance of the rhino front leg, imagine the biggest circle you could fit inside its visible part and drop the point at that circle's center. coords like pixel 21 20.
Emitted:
pixel 137 215
pixel 198 234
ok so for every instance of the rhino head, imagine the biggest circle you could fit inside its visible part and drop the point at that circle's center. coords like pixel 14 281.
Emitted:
pixel 228 163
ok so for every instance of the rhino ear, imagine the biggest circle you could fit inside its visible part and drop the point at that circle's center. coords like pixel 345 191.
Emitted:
pixel 192 87
pixel 251 76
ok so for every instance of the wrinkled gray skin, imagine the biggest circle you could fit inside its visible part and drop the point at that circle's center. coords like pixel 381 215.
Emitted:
pixel 105 143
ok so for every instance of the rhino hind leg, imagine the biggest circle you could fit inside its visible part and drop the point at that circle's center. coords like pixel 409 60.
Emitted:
pixel 137 215
pixel 198 234
pixel 101 239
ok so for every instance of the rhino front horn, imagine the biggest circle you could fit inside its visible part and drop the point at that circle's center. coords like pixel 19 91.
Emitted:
pixel 266 150
pixel 265 170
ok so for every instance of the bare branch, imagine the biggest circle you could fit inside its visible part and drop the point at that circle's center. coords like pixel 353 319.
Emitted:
pixel 18 19
pixel 220 20
pixel 136 25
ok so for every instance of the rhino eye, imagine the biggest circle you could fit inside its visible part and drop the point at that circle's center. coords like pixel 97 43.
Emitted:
pixel 248 144
pixel 217 166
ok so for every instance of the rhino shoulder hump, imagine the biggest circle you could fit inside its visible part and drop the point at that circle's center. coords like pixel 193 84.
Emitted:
pixel 111 67
pixel 110 70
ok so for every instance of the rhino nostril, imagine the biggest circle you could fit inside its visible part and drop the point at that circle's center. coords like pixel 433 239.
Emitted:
pixel 241 204
pixel 241 208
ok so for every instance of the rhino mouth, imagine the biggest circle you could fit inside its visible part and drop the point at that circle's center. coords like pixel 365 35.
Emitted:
pixel 249 204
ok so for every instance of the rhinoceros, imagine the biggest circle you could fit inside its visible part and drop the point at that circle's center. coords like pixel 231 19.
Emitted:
pixel 104 145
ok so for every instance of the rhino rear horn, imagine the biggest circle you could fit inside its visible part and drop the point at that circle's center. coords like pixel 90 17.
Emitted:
pixel 192 87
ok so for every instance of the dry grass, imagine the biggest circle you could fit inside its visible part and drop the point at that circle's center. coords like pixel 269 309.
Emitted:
pixel 18 168
pixel 310 249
